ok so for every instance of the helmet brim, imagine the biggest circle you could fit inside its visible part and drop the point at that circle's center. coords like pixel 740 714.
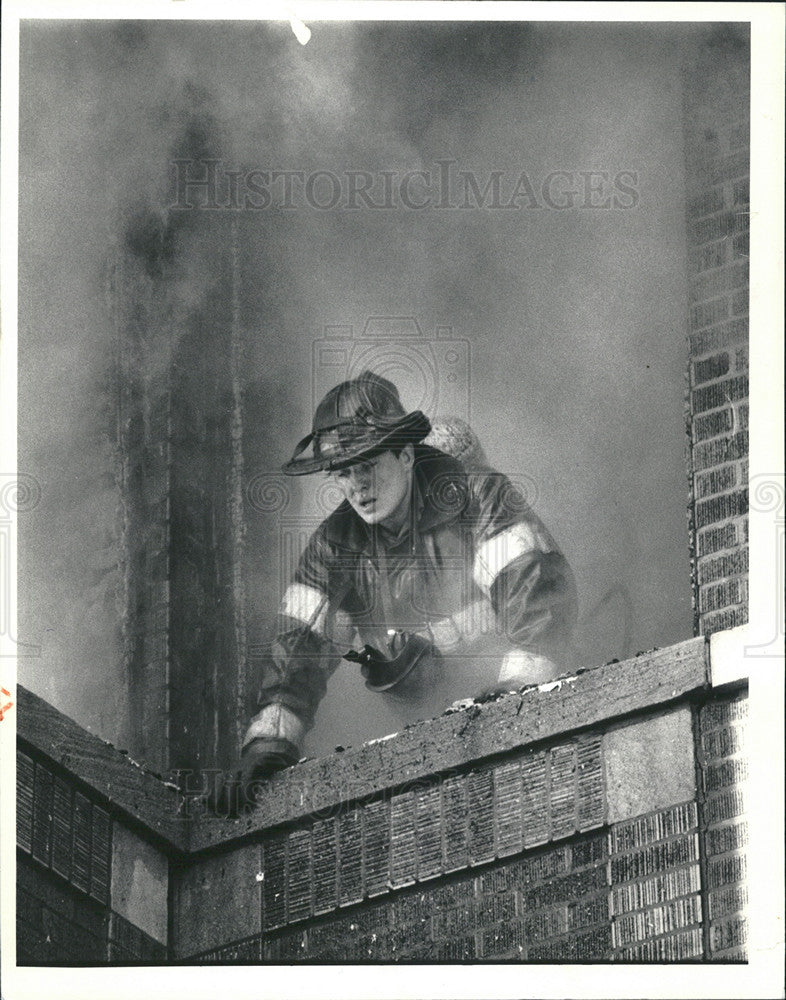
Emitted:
pixel 411 429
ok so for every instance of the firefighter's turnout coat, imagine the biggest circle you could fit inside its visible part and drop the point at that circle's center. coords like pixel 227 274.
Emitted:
pixel 474 570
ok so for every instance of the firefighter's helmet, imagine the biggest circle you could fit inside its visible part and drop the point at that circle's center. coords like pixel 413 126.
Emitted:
pixel 357 419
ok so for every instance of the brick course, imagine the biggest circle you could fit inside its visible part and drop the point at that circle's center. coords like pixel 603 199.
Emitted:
pixel 726 449
pixel 710 255
pixel 725 391
pixel 713 424
pixel 721 508
pixel 734 564
pixel 709 283
pixel 708 313
pixel 710 368
pixel 723 335
pixel 373 848
pixel 716 481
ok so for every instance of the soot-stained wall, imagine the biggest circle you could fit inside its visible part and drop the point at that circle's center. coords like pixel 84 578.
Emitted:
pixel 565 313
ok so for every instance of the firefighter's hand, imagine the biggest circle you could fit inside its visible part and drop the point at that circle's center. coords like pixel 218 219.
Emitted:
pixel 262 758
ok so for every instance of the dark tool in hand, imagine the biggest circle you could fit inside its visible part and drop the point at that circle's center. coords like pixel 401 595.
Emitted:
pixel 384 672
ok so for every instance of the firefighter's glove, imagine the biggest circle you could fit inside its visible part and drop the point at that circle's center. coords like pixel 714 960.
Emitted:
pixel 237 793
pixel 383 672
pixel 262 758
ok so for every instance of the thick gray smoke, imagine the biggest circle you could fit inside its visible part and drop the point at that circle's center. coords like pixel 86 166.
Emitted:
pixel 567 323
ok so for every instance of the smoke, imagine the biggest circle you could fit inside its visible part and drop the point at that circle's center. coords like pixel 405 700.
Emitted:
pixel 573 319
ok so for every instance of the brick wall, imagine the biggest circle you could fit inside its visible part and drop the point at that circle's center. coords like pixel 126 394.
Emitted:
pixel 571 852
pixel 55 922
pixel 599 819
pixel 88 889
pixel 717 94
pixel 722 800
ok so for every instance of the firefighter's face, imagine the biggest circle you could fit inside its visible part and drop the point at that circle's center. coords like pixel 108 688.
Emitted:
pixel 379 488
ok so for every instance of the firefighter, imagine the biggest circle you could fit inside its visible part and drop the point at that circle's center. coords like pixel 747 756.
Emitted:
pixel 428 563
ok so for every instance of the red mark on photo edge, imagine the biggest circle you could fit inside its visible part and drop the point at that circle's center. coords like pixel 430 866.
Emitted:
pixel 4 708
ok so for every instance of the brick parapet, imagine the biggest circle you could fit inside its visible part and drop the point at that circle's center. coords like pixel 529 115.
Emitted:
pixel 477 732
pixel 459 738
pixel 553 823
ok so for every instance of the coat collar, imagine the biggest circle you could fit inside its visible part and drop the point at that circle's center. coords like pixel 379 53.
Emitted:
pixel 439 495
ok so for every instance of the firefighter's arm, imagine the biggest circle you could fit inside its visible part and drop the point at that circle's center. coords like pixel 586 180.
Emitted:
pixel 528 582
pixel 535 600
pixel 296 670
